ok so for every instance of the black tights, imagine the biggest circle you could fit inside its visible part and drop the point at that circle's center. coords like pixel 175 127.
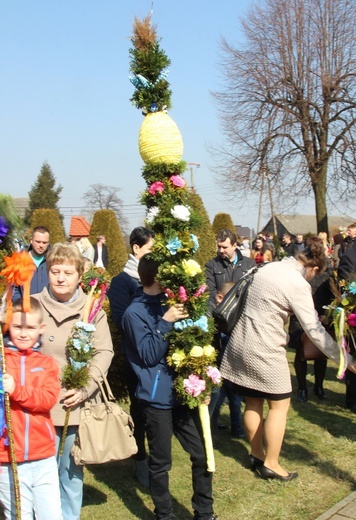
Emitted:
pixel 301 371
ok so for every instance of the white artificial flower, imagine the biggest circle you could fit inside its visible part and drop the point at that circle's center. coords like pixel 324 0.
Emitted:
pixel 180 212
pixel 152 214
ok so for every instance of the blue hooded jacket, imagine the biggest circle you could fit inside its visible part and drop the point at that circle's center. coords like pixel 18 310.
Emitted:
pixel 146 350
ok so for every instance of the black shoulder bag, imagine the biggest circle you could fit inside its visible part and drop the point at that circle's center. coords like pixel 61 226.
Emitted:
pixel 228 312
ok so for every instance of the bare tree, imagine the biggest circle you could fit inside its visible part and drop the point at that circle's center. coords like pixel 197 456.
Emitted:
pixel 100 196
pixel 288 102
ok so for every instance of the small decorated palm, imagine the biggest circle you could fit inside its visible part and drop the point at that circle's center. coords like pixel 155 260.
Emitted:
pixel 80 345
pixel 169 215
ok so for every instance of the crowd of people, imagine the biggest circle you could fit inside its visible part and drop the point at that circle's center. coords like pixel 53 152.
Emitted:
pixel 286 298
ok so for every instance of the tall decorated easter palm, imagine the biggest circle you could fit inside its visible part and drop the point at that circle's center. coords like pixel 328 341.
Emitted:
pixel 169 215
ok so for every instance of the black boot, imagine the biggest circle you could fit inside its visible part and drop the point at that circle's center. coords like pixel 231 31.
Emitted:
pixel 319 392
pixel 302 396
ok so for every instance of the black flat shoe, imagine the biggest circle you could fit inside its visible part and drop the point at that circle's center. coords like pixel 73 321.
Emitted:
pixel 267 473
pixel 255 462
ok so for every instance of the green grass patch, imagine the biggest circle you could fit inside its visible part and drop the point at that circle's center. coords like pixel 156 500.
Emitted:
pixel 319 444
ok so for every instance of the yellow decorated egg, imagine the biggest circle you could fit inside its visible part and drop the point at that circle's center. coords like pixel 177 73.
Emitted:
pixel 160 140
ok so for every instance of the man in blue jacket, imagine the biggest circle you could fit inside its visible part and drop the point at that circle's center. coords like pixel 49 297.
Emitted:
pixel 146 323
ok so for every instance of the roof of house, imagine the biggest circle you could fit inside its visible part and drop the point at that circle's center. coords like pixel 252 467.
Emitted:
pixel 79 227
pixel 307 223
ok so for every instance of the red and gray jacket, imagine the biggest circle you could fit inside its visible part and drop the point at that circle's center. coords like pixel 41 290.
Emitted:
pixel 37 388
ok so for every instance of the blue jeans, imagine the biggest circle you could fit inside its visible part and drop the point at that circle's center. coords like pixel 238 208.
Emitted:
pixel 39 490
pixel 185 424
pixel 228 390
pixel 70 476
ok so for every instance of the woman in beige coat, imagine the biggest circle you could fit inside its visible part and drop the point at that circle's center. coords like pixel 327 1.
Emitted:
pixel 255 357
pixel 63 304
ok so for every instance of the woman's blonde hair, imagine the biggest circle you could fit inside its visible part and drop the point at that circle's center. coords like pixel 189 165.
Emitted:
pixel 64 253
pixel 314 254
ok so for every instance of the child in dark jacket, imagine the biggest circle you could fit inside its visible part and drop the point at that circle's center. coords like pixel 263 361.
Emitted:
pixel 32 382
pixel 145 324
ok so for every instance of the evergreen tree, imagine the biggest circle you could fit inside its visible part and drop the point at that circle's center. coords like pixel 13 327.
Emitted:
pixel 223 221
pixel 44 193
pixel 203 230
pixel 52 220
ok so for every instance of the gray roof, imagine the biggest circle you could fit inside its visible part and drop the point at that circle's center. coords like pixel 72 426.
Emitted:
pixel 307 223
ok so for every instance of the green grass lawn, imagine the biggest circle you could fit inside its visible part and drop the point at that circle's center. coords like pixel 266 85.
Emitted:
pixel 319 444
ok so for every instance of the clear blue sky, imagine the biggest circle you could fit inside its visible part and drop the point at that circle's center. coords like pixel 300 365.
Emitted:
pixel 64 95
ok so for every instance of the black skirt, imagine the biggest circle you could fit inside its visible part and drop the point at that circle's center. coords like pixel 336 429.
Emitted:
pixel 258 394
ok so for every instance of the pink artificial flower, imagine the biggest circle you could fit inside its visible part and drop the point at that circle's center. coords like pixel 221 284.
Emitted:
pixel 156 186
pixel 351 320
pixel 200 291
pixel 177 181
pixel 214 374
pixel 92 282
pixel 194 385
pixel 182 294
pixel 169 293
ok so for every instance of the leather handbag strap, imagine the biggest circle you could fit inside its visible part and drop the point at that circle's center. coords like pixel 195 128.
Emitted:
pixel 107 395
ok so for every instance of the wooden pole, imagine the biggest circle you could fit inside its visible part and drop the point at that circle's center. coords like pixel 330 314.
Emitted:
pixel 11 436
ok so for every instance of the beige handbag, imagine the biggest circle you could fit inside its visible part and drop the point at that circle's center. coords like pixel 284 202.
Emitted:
pixel 105 431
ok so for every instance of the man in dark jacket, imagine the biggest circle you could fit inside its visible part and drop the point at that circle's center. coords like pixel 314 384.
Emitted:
pixel 146 323
pixel 38 248
pixel 289 247
pixel 228 266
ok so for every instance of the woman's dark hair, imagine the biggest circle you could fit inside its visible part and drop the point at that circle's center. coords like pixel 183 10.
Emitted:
pixel 314 254
pixel 140 236
pixel 264 246
pixel 147 270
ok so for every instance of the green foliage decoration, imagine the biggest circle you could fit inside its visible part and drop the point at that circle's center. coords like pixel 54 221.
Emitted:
pixel 172 217
pixel 149 66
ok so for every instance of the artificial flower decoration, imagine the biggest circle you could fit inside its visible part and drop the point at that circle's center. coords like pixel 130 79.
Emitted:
pixel 209 351
pixel 4 228
pixel 342 318
pixel 195 241
pixel 152 213
pixel 174 245
pixel 182 294
pixel 194 385
pixel 18 271
pixel 80 349
pixel 191 267
pixel 155 187
pixel 214 374
pixel 196 351
pixel 181 212
pixel 177 181
pixel 169 215
pixel 178 358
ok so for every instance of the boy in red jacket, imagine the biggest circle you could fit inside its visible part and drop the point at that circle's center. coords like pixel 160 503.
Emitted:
pixel 32 382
